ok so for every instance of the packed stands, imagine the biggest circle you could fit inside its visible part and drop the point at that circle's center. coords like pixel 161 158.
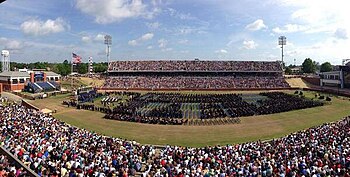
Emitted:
pixel 154 82
pixel 50 147
pixel 9 169
pixel 194 65
pixel 178 75
pixel 54 148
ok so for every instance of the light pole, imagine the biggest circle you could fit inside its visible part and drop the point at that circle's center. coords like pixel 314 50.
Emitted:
pixel 282 40
pixel 108 42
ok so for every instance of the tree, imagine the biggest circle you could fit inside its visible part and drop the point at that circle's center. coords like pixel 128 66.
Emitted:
pixel 309 66
pixel 99 67
pixel 288 71
pixel 82 68
pixel 326 67
pixel 63 68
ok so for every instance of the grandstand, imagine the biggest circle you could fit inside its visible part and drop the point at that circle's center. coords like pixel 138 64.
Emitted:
pixel 194 75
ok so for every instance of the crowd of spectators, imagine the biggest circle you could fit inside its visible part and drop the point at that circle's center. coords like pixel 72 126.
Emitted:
pixel 54 148
pixel 194 65
pixel 181 74
pixel 188 82
pixel 318 151
pixel 8 169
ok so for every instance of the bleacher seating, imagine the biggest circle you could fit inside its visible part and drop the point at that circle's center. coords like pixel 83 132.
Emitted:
pixel 179 74
pixel 31 87
pixel 41 87
pixel 55 84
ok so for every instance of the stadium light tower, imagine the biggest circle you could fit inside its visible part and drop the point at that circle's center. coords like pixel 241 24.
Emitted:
pixel 282 40
pixel 108 42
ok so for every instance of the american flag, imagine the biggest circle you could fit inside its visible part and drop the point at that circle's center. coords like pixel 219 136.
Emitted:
pixel 76 58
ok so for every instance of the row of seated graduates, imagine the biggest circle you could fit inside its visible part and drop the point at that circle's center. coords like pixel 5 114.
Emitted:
pixel 210 106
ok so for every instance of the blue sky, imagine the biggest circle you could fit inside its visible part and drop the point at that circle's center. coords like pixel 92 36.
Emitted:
pixel 42 30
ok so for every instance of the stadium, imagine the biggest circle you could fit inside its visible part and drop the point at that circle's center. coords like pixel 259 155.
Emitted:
pixel 183 117
pixel 202 121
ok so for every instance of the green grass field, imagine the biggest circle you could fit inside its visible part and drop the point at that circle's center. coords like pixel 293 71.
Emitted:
pixel 250 129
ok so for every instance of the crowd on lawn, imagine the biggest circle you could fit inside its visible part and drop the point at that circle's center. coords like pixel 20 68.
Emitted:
pixel 169 106
pixel 194 82
pixel 188 65
pixel 53 148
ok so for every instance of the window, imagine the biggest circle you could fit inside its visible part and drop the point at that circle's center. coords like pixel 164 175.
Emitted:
pixel 56 78
pixel 14 81
pixel 21 81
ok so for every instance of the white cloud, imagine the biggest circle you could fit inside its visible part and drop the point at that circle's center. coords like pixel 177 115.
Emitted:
pixel 221 51
pixel 150 47
pixel 319 16
pixel 91 38
pixel 290 28
pixel 86 39
pixel 184 51
pixel 341 33
pixel 183 41
pixel 153 26
pixel 257 25
pixel 145 37
pixel 14 46
pixel 184 30
pixel 99 37
pixel 330 49
pixel 249 44
pixel 180 15
pixel 167 49
pixel 162 43
pixel 109 11
pixel 37 27
pixel 133 43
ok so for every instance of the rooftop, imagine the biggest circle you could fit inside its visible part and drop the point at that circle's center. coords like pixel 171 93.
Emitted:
pixel 14 74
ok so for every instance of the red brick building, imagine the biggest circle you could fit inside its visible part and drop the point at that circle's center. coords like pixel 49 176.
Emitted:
pixel 16 81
